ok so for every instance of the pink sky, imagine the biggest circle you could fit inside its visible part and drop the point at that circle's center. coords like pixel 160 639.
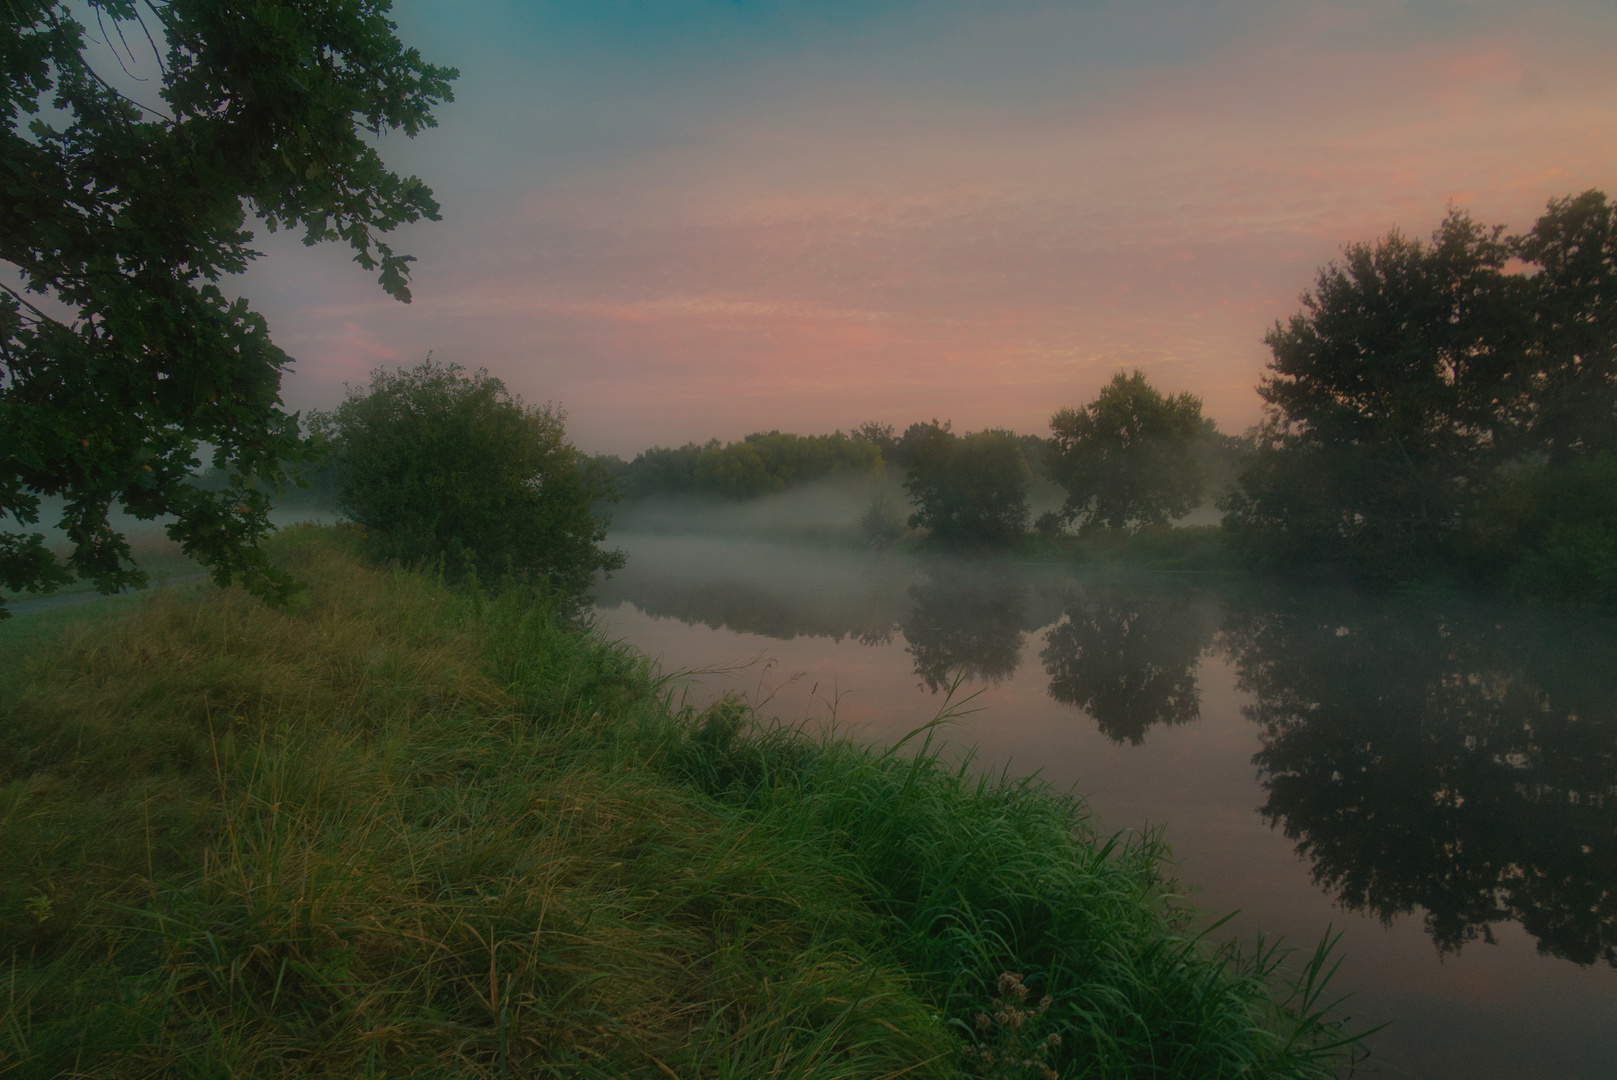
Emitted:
pixel 980 220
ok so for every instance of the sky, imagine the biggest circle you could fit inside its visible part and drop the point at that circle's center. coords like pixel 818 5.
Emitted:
pixel 685 219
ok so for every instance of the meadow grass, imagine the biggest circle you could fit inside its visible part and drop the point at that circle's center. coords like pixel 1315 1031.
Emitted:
pixel 402 830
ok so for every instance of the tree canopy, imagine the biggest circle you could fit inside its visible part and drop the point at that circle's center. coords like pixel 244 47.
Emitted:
pixel 762 463
pixel 1126 459
pixel 441 464
pixel 122 356
pixel 965 489
pixel 1419 374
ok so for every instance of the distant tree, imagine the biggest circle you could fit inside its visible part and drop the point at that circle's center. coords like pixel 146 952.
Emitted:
pixel 878 435
pixel 970 489
pixel 439 463
pixel 1127 459
pixel 123 216
pixel 611 464
pixel 662 470
pixel 760 464
pixel 1036 451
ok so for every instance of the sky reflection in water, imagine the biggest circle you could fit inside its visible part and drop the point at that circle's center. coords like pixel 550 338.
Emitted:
pixel 1437 764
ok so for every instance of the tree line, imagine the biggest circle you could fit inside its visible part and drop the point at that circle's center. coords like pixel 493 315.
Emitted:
pixel 760 464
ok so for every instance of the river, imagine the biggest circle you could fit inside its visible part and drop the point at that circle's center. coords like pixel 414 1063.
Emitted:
pixel 1434 778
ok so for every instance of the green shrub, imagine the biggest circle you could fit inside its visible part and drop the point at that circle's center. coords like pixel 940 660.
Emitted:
pixel 444 466
pixel 1550 532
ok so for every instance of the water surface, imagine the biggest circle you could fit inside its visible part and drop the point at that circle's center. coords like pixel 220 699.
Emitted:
pixel 1437 779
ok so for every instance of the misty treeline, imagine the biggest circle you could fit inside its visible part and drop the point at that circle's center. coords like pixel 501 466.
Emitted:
pixel 1444 407
pixel 760 464
pixel 1130 459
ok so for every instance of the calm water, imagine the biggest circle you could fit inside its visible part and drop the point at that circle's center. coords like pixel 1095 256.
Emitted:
pixel 1437 779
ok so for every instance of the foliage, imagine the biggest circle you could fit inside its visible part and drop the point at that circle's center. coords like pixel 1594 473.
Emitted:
pixel 966 489
pixel 1126 458
pixel 880 436
pixel 123 216
pixel 1573 344
pixel 1549 532
pixel 403 830
pixel 1417 375
pixel 760 464
pixel 442 465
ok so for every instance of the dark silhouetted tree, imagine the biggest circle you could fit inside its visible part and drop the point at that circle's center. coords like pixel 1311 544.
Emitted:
pixel 1415 374
pixel 123 217
pixel 1573 299
pixel 1127 459
pixel 1391 399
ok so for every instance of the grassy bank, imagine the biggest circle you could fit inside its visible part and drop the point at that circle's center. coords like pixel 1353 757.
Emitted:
pixel 400 831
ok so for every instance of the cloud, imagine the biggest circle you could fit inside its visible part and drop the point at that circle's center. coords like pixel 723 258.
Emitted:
pixel 981 220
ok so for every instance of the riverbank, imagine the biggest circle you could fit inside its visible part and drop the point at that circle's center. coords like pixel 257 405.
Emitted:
pixel 401 830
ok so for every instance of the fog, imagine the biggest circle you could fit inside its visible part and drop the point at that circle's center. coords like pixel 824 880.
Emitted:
pixel 828 508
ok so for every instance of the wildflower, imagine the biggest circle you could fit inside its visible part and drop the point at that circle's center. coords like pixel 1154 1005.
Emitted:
pixel 1053 1039
pixel 984 1021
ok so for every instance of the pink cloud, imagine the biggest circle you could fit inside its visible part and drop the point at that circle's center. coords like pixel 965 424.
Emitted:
pixel 807 265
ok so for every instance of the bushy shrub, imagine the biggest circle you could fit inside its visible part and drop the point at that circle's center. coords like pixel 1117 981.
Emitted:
pixel 441 465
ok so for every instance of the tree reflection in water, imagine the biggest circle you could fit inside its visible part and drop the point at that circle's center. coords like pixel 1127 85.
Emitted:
pixel 1443 759
pixel 966 621
pixel 1127 656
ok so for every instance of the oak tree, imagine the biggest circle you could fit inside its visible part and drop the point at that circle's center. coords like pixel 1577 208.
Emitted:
pixel 120 212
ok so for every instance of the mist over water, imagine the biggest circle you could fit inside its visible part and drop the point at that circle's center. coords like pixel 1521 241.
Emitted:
pixel 1437 778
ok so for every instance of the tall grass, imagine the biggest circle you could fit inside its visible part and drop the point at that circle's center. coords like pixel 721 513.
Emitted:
pixel 402 831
